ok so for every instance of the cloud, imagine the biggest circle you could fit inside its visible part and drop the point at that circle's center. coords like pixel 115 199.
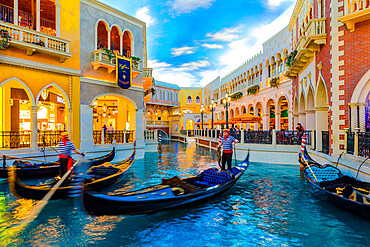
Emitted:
pixel 212 46
pixel 251 42
pixel 182 50
pixel 193 65
pixel 276 3
pixel 143 14
pixel 187 6
pixel 226 34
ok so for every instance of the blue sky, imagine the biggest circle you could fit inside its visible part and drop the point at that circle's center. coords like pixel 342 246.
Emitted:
pixel 191 42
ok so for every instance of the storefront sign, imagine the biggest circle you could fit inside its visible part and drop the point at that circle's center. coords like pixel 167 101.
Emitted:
pixel 24 114
pixel 60 100
pixel 123 72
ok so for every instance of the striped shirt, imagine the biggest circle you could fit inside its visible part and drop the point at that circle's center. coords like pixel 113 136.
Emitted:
pixel 67 149
pixel 227 143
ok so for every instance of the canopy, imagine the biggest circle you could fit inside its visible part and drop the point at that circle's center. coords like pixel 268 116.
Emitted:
pixel 224 122
pixel 247 118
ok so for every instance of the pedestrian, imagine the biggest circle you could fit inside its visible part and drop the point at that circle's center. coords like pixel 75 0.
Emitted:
pixel 300 131
pixel 104 130
pixel 65 148
pixel 227 142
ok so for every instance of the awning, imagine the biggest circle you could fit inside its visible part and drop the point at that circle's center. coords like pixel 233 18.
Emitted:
pixel 247 118
pixel 199 123
pixel 224 122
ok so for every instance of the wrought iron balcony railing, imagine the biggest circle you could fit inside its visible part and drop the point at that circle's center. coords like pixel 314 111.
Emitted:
pixel 33 41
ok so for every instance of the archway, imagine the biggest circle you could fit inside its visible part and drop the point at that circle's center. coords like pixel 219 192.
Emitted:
pixel 102 35
pixel 16 114
pixel 52 115
pixel 302 111
pixel 283 113
pixel 222 115
pixel 243 110
pixel 322 117
pixel 260 114
pixel 271 112
pixel 165 115
pixel 127 44
pixel 149 115
pixel 158 115
pixel 295 112
pixel 115 40
pixel 251 111
pixel 310 110
pixel 114 117
pixel 190 124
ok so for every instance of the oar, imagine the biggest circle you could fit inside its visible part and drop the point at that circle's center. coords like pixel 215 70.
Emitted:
pixel 311 170
pixel 235 156
pixel 41 204
pixel 219 157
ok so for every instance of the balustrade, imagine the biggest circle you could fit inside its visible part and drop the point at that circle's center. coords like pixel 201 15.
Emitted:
pixel 15 139
pixel 363 144
pixel 107 137
pixel 6 13
pixel 325 141
pixel 258 137
pixel 49 138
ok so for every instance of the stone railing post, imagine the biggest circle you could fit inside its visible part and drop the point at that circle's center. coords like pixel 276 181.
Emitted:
pixel 34 128
pixel 345 139
pixel 124 136
pixel 242 136
pixel 355 152
pixel 313 141
pixel 274 137
pixel 102 137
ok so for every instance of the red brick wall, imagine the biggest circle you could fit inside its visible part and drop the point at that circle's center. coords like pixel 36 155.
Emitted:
pixel 356 59
pixel 324 57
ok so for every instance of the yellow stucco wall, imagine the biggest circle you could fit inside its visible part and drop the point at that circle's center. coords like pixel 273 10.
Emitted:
pixel 183 96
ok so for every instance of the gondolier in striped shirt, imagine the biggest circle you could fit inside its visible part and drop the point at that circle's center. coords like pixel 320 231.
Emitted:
pixel 227 142
pixel 65 148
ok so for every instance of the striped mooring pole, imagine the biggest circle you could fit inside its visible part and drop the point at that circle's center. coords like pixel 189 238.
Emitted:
pixel 159 142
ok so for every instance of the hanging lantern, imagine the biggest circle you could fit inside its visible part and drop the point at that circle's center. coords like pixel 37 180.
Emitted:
pixel 104 107
pixel 116 111
pixel 95 103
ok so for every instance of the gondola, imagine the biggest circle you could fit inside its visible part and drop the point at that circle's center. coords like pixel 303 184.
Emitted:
pixel 173 192
pixel 328 183
pixel 97 177
pixel 27 170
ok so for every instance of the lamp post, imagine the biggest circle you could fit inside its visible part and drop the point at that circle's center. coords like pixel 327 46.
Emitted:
pixel 226 102
pixel 213 107
pixel 201 113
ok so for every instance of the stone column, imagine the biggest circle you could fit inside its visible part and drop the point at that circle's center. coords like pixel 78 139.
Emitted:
pixel 302 119
pixel 310 120
pixel 86 129
pixel 353 113
pixel 139 131
pixel 266 120
pixel 295 120
pixel 69 122
pixel 38 12
pixel 290 120
pixel 321 125
pixel 34 128
pixel 15 17
pixel 274 138
pixel 362 117
pixel 277 120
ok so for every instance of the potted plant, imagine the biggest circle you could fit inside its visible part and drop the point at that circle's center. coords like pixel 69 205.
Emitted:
pixel 4 39
pixel 253 89
pixel 274 82
pixel 290 58
pixel 109 53
pixel 237 96
pixel 135 62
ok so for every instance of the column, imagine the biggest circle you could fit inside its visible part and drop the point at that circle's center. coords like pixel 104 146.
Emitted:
pixel 321 124
pixel 38 12
pixel 353 115
pixel 86 129
pixel 34 128
pixel 57 9
pixel 265 119
pixel 310 120
pixel 277 120
pixel 302 119
pixel 290 120
pixel 108 31
pixel 121 44
pixel 362 124
pixel 69 121
pixel 139 130
pixel 15 17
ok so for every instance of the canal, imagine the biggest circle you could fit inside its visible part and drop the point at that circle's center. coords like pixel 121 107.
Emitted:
pixel 269 206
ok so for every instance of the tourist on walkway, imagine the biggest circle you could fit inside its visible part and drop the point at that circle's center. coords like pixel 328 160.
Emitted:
pixel 65 147
pixel 227 141
pixel 300 132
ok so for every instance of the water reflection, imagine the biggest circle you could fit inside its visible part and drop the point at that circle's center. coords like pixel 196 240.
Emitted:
pixel 270 205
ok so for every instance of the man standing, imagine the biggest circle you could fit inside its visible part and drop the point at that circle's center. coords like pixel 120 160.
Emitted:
pixel 227 141
pixel 65 147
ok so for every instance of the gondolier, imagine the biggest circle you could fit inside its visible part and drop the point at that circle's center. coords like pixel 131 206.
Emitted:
pixel 65 149
pixel 227 142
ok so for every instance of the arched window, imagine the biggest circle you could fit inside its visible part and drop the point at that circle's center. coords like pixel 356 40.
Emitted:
pixel 176 96
pixel 160 95
pixel 189 101
pixel 115 40
pixel 127 44
pixel 171 96
pixel 102 35
pixel 197 100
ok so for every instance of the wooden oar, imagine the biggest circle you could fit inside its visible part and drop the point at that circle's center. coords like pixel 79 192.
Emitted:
pixel 41 204
pixel 311 170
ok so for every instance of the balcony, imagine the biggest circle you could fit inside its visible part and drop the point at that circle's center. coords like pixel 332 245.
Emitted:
pixel 157 123
pixel 33 41
pixel 313 36
pixel 355 11
pixel 163 102
pixel 102 60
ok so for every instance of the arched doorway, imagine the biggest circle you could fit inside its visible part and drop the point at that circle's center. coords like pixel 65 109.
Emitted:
pixel 52 116
pixel 295 112
pixel 322 117
pixel 251 111
pixel 310 111
pixel 260 114
pixel 190 124
pixel 17 114
pixel 165 115
pixel 271 112
pixel 102 34
pixel 158 115
pixel 149 115
pixel 283 115
pixel 302 111
pixel 114 118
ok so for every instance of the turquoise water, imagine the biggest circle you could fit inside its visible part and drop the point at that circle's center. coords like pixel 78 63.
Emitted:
pixel 269 206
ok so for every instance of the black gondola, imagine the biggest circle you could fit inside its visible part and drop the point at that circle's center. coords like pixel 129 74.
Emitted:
pixel 170 193
pixel 329 184
pixel 98 177
pixel 28 170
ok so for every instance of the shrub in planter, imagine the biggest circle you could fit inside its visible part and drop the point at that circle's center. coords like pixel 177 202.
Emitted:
pixel 4 39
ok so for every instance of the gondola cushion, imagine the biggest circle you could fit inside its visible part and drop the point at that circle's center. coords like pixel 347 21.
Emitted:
pixel 325 173
pixel 213 176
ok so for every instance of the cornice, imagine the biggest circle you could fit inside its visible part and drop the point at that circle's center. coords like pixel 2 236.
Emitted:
pixel 108 84
pixel 114 12
pixel 20 62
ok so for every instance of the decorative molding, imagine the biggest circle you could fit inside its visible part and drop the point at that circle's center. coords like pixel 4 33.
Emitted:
pixel 109 84
pixel 20 62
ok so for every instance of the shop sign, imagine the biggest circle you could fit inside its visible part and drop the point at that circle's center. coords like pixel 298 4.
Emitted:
pixel 10 102
pixel 123 72
pixel 24 114
pixel 60 100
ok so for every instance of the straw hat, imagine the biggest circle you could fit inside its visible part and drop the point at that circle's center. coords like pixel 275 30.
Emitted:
pixel 226 130
pixel 65 134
